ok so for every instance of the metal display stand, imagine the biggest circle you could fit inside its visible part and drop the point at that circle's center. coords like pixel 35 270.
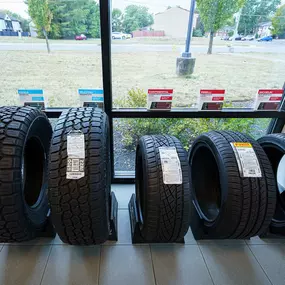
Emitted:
pixel 135 220
pixel 48 230
pixel 113 236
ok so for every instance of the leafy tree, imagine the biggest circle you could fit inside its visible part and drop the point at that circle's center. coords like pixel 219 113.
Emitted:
pixel 117 20
pixel 216 13
pixel 136 17
pixel 255 12
pixel 278 21
pixel 41 15
pixel 24 22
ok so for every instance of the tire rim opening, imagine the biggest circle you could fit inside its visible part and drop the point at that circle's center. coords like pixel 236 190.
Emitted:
pixel 206 183
pixel 33 170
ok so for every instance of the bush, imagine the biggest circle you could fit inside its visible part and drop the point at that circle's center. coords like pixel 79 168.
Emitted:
pixel 186 130
pixel 197 33
pixel 231 33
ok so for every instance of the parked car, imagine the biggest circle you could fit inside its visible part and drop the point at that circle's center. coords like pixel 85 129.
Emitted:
pixel 237 38
pixel 81 37
pixel 248 38
pixel 225 38
pixel 120 36
pixel 266 39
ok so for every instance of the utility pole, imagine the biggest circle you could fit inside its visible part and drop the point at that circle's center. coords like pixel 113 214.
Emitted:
pixel 236 28
pixel 186 63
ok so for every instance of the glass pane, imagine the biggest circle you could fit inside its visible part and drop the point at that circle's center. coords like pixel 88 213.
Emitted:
pixel 127 132
pixel 248 51
pixel 73 32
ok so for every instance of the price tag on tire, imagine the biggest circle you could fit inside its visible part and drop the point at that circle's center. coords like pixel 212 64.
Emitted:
pixel 247 160
pixel 76 155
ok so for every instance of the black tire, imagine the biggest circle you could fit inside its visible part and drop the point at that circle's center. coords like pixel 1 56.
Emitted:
pixel 232 207
pixel 274 147
pixel 80 208
pixel 25 135
pixel 165 209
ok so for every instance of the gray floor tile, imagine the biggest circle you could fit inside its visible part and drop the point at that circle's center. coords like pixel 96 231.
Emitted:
pixel 123 194
pixel 72 265
pixel 124 229
pixel 272 259
pixel 57 241
pixel 126 265
pixel 189 238
pixel 177 265
pixel 257 240
pixel 23 265
pixel 233 265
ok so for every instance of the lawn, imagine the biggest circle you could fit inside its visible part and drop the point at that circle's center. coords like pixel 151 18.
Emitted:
pixel 61 73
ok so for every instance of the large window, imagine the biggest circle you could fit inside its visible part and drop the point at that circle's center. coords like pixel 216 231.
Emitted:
pixel 74 60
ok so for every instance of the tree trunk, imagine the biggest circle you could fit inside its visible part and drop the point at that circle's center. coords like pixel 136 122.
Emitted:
pixel 210 49
pixel 47 42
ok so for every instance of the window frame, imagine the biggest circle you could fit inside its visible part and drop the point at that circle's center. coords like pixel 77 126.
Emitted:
pixel 276 125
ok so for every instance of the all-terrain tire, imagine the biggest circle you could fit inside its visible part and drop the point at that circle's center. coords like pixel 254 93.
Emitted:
pixel 25 135
pixel 165 209
pixel 274 147
pixel 80 208
pixel 231 206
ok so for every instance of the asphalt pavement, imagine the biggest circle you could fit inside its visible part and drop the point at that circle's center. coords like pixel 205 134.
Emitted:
pixel 271 47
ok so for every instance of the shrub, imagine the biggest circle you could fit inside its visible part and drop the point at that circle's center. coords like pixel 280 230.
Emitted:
pixel 197 33
pixel 185 129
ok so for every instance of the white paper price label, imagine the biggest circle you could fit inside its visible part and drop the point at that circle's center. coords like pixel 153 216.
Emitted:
pixel 247 160
pixel 171 166
pixel 76 155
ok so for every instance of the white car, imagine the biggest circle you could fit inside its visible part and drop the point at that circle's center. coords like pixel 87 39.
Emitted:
pixel 120 36
pixel 248 38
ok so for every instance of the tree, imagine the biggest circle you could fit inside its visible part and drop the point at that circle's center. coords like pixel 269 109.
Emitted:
pixel 278 21
pixel 24 22
pixel 136 17
pixel 255 12
pixel 41 15
pixel 117 20
pixel 216 13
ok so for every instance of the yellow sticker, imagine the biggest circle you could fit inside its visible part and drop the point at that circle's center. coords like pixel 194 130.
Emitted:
pixel 237 144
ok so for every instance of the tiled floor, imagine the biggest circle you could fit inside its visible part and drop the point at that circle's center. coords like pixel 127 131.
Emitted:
pixel 50 262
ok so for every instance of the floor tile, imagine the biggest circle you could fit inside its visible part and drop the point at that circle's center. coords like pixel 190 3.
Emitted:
pixel 58 241
pixel 124 229
pixel 123 194
pixel 72 265
pixel 189 238
pixel 233 265
pixel 176 265
pixel 23 265
pixel 126 265
pixel 257 240
pixel 272 259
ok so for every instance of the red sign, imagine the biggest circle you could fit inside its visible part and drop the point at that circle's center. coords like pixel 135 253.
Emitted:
pixel 160 91
pixel 271 91
pixel 213 92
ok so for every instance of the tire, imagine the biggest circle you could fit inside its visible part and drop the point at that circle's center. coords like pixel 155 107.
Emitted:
pixel 25 135
pixel 274 147
pixel 80 208
pixel 164 209
pixel 231 207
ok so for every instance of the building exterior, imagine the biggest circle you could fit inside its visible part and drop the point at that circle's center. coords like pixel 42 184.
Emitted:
pixel 9 24
pixel 33 30
pixel 174 22
pixel 265 29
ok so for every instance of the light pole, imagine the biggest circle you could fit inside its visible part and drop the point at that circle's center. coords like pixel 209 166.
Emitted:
pixel 186 63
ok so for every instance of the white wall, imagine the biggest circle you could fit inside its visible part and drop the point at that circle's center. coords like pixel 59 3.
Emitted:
pixel 16 26
pixel 174 22
pixel 2 25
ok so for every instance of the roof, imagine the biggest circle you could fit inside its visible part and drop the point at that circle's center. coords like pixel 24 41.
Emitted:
pixel 3 15
pixel 264 24
pixel 175 7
